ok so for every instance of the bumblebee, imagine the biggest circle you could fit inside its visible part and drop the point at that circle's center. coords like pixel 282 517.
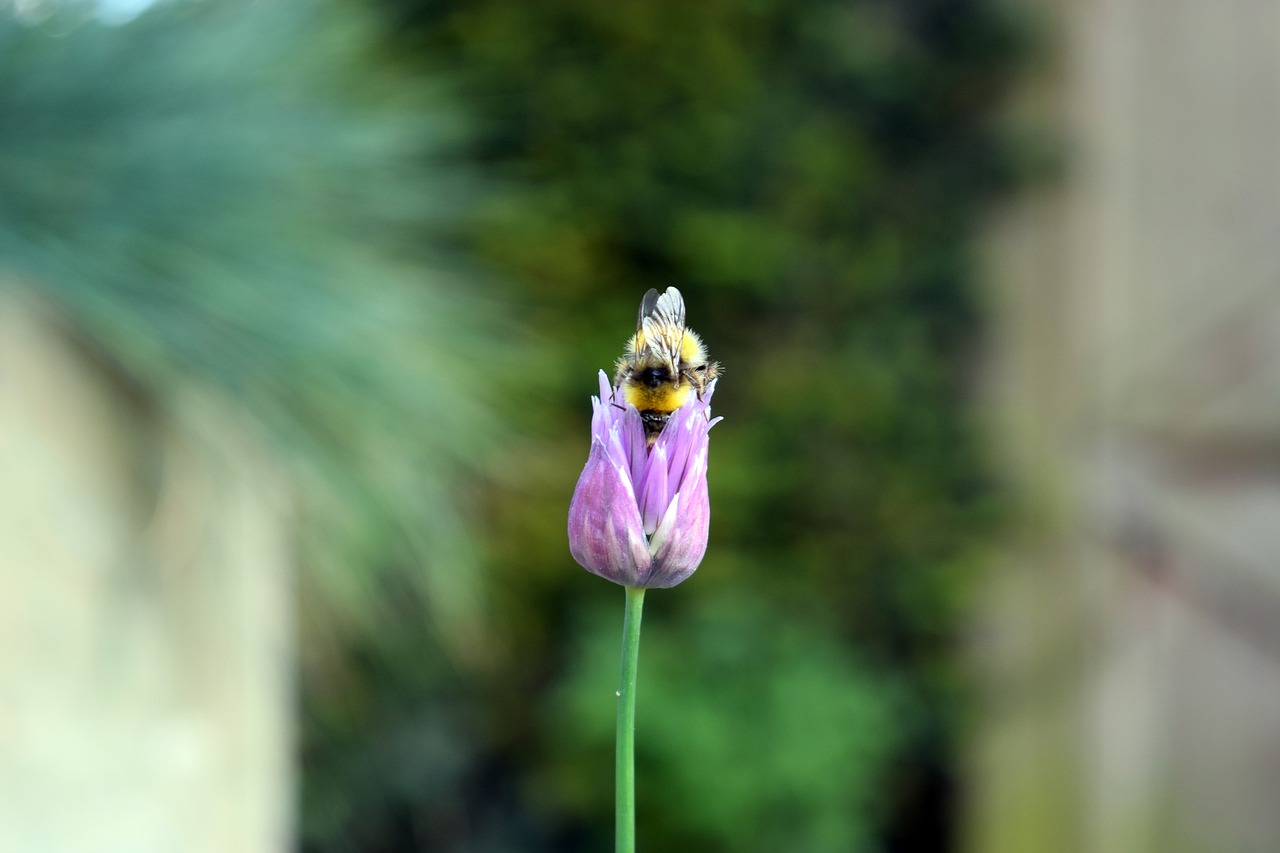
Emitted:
pixel 664 364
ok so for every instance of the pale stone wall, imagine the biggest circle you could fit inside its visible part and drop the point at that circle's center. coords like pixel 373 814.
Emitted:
pixel 1129 644
pixel 146 657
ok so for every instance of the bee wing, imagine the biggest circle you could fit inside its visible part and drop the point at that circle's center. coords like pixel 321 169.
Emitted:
pixel 663 325
pixel 646 307
pixel 669 308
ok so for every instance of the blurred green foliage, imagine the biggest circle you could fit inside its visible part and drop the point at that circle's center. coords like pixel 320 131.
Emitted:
pixel 226 197
pixel 811 174
pixel 269 202
pixel 753 740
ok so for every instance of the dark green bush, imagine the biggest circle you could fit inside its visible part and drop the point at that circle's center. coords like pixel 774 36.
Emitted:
pixel 812 175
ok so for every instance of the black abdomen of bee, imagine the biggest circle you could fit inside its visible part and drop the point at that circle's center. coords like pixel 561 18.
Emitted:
pixel 654 376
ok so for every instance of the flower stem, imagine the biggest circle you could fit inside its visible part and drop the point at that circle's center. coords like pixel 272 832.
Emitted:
pixel 625 751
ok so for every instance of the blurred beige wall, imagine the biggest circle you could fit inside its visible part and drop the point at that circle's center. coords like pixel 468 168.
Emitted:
pixel 1128 645
pixel 146 659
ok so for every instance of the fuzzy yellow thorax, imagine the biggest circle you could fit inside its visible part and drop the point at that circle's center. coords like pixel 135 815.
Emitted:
pixel 665 398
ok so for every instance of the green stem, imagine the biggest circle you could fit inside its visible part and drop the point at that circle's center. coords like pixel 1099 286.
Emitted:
pixel 625 754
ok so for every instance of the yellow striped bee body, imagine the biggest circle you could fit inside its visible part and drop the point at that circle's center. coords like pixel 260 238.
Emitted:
pixel 664 363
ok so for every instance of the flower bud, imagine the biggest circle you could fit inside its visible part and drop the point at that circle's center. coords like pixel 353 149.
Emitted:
pixel 640 516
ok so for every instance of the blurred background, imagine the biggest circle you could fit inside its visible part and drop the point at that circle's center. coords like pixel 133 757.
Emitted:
pixel 301 307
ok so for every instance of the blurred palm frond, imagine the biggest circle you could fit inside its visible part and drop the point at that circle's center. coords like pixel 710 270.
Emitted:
pixel 231 197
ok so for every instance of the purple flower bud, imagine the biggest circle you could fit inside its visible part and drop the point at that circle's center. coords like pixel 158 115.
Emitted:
pixel 640 516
